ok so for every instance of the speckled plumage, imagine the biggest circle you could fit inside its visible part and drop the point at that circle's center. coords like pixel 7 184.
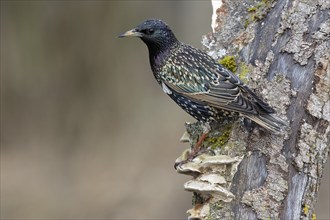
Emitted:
pixel 197 83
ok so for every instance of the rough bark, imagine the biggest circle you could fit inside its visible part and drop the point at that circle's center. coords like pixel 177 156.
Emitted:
pixel 281 49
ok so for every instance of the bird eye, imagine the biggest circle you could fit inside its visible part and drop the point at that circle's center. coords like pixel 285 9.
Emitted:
pixel 148 31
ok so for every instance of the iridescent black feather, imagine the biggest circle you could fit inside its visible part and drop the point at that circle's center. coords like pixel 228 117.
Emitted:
pixel 201 86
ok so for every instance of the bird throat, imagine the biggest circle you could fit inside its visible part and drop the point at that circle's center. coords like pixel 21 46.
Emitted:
pixel 157 59
pixel 158 54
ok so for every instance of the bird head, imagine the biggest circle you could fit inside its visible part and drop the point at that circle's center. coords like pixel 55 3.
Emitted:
pixel 154 33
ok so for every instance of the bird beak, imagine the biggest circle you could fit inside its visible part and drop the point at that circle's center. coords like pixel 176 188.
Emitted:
pixel 131 33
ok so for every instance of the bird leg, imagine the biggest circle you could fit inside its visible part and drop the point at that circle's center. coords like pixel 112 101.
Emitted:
pixel 197 148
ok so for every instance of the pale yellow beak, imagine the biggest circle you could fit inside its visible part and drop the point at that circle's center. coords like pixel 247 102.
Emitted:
pixel 131 33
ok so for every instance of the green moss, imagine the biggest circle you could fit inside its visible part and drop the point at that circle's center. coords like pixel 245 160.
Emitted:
pixel 252 9
pixel 258 11
pixel 220 141
pixel 243 71
pixel 258 6
pixel 246 23
pixel 313 216
pixel 229 62
pixel 305 209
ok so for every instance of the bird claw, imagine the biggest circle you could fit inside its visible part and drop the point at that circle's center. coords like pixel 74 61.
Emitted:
pixel 191 157
pixel 196 150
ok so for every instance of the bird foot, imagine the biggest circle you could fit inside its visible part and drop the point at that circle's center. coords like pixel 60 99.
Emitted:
pixel 190 158
pixel 196 150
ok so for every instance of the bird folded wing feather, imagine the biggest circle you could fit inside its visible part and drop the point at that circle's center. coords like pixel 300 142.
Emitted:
pixel 219 96
pixel 223 89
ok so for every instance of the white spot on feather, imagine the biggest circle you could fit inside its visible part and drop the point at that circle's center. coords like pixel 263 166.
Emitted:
pixel 166 89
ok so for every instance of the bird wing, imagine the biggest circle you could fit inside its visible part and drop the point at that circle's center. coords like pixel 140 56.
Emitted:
pixel 200 78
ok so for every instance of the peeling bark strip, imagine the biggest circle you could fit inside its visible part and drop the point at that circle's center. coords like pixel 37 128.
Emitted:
pixel 281 49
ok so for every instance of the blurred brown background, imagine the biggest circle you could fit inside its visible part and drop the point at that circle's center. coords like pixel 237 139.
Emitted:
pixel 86 132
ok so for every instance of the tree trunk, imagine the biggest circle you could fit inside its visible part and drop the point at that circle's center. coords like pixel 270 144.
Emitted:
pixel 280 48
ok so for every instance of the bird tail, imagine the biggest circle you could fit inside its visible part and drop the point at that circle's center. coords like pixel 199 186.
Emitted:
pixel 270 122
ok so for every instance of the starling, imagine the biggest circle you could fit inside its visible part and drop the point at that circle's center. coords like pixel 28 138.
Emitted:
pixel 197 83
